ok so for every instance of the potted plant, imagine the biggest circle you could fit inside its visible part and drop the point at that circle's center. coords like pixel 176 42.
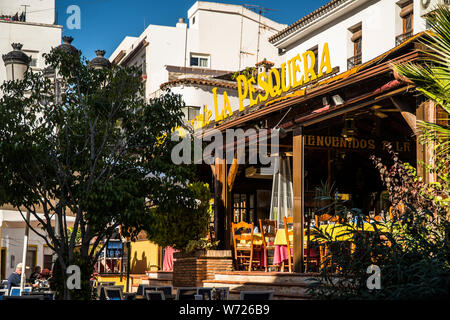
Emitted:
pixel 184 227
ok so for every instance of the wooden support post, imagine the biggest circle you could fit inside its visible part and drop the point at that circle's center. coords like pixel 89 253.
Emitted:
pixel 223 206
pixel 232 174
pixel 425 112
pixel 298 189
pixel 407 113
pixel 1 262
pixel 219 211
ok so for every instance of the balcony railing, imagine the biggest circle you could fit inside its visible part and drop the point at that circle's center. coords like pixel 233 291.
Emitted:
pixel 403 37
pixel 353 61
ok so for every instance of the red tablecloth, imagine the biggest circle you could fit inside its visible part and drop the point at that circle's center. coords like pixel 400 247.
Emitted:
pixel 168 259
pixel 281 254
pixel 258 255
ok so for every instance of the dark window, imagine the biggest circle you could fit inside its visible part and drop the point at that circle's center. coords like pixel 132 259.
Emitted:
pixel 315 50
pixel 356 39
pixel 408 23
pixel 357 46
pixel 197 61
pixel 48 259
pixel 244 208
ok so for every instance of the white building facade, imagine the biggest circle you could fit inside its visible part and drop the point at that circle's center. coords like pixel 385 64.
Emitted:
pixel 356 31
pixel 36 30
pixel 33 26
pixel 216 39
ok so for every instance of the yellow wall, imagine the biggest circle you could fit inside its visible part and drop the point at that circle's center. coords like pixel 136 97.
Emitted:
pixel 116 279
pixel 145 255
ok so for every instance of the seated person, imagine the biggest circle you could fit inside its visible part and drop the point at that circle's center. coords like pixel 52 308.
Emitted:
pixel 14 278
pixel 36 275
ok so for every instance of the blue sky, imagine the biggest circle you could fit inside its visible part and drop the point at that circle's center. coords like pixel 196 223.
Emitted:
pixel 104 23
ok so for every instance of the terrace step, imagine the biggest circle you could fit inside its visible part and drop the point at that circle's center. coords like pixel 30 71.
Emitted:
pixel 167 275
pixel 293 290
pixel 266 277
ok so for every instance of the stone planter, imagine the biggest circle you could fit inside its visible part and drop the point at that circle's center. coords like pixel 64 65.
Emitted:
pixel 191 269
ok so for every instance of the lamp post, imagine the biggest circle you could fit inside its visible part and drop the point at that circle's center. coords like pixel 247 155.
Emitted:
pixel 100 62
pixel 16 63
pixel 52 74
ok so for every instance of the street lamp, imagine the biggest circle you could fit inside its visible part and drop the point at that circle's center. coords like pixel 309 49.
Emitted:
pixel 16 63
pixel 100 62
pixel 67 46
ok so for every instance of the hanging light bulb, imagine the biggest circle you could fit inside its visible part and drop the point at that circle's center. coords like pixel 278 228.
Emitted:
pixel 349 131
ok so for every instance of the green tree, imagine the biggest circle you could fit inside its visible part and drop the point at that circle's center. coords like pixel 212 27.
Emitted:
pixel 98 152
pixel 180 226
pixel 412 250
pixel 431 76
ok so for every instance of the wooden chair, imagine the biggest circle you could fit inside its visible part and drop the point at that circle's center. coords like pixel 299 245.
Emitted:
pixel 113 293
pixel 289 231
pixel 186 293
pixel 256 295
pixel 243 251
pixel 268 232
pixel 154 295
pixel 325 218
pixel 325 249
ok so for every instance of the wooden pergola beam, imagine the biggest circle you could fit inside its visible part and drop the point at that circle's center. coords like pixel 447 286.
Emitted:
pixel 298 197
pixel 407 113
pixel 232 174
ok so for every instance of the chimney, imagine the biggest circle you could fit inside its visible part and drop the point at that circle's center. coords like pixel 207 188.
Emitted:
pixel 264 65
pixel 181 23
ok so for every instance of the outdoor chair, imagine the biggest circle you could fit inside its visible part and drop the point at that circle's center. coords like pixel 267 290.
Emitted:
pixel 154 295
pixel 268 233
pixel 15 292
pixel 27 297
pixel 186 293
pixel 4 284
pixel 3 293
pixel 205 293
pixel 141 289
pixel 223 292
pixel 256 295
pixel 103 295
pixel 48 295
pixel 243 245
pixel 289 231
pixel 325 258
pixel 167 290
pixel 113 293
pixel 100 285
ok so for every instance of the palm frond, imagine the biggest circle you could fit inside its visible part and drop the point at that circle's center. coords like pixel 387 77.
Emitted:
pixel 431 76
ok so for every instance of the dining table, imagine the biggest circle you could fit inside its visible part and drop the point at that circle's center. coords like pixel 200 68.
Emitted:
pixel 336 231
pixel 258 255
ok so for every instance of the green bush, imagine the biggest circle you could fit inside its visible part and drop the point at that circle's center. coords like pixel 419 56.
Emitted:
pixel 411 250
pixel 177 222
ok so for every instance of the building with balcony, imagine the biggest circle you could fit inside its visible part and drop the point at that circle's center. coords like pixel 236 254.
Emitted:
pixel 34 27
pixel 31 25
pixel 216 39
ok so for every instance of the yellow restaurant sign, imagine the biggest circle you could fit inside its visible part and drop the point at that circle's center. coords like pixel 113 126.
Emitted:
pixel 296 72
pixel 353 143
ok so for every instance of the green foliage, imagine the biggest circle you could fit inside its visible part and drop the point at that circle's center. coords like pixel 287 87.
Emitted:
pixel 247 72
pixel 178 220
pixel 431 76
pixel 412 249
pixel 90 146
pixel 202 244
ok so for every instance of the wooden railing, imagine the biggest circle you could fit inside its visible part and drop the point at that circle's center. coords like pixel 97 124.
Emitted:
pixel 353 61
pixel 403 37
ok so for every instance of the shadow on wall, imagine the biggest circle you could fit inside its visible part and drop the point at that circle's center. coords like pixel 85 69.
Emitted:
pixel 139 266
